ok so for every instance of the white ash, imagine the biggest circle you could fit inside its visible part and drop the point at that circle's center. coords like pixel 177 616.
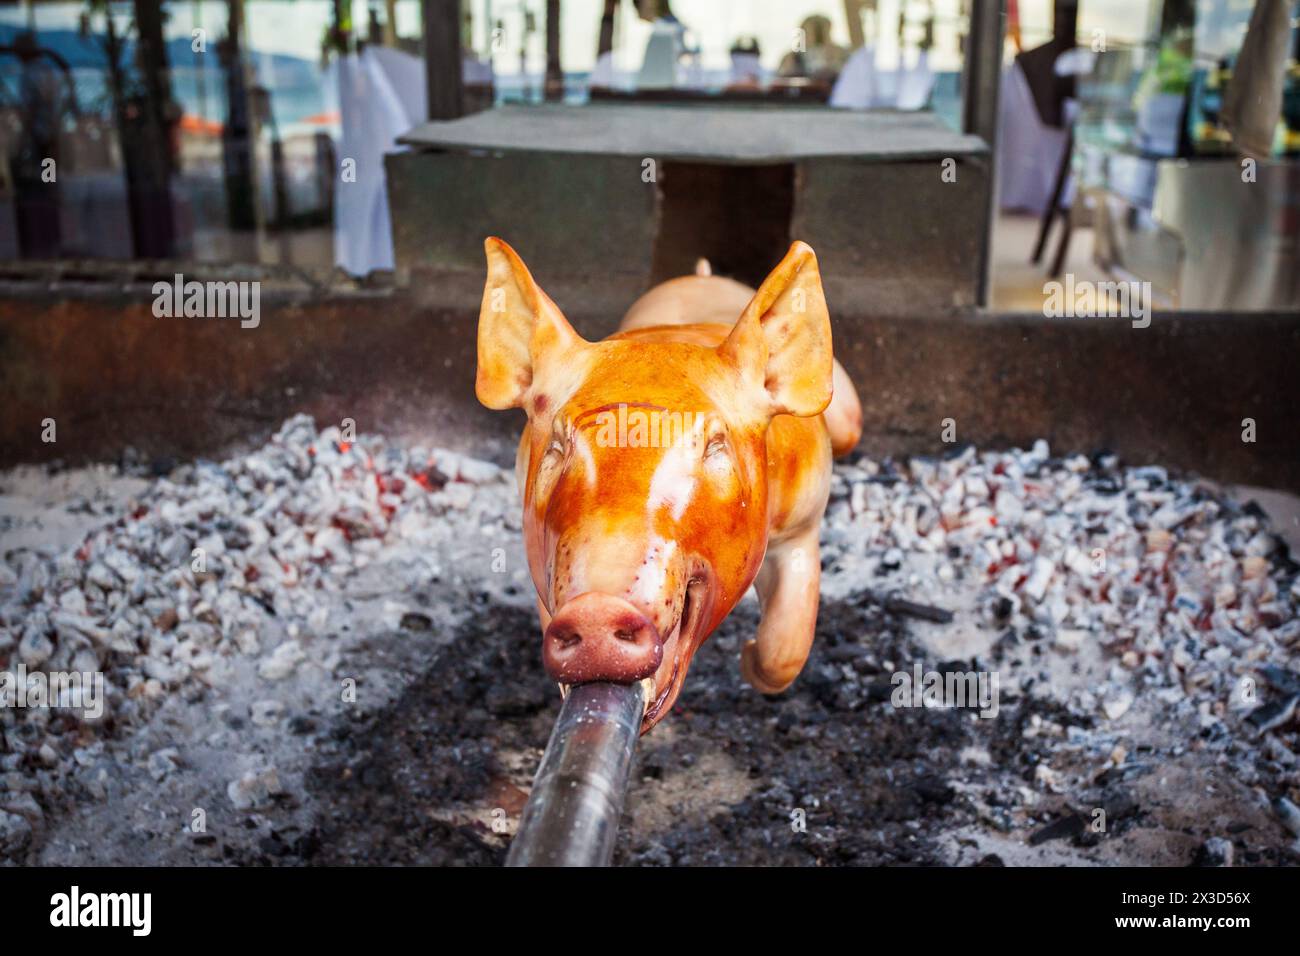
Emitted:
pixel 270 556
pixel 1178 591
pixel 254 789
pixel 309 544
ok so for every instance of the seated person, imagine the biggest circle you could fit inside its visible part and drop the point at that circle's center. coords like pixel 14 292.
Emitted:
pixel 820 60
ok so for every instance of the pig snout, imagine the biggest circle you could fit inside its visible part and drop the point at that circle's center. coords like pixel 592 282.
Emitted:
pixel 599 637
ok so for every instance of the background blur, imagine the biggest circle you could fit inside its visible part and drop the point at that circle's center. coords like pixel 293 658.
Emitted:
pixel 214 131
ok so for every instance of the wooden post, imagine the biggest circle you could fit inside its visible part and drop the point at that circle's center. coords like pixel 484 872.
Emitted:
pixel 981 77
pixel 853 14
pixel 442 59
pixel 390 23
pixel 239 135
pixel 152 163
pixel 554 85
pixel 606 42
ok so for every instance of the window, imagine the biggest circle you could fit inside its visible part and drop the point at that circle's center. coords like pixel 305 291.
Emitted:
pixel 205 131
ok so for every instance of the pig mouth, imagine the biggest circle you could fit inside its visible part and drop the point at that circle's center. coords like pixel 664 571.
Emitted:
pixel 679 647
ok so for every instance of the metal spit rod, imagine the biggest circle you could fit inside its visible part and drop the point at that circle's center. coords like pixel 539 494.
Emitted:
pixel 572 815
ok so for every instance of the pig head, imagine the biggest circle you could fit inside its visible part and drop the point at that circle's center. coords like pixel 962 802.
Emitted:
pixel 665 469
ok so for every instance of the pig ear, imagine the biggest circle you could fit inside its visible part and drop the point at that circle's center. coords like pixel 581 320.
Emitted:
pixel 519 328
pixel 782 343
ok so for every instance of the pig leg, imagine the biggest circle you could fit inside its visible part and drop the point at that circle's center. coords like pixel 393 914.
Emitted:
pixel 787 586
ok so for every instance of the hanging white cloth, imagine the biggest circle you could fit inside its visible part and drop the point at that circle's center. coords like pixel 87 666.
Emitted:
pixel 602 75
pixel 381 97
pixel 662 53
pixel 1029 151
pixel 855 87
pixel 862 86
pixel 915 84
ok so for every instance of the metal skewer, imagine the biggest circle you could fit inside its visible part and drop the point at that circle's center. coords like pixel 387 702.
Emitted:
pixel 572 815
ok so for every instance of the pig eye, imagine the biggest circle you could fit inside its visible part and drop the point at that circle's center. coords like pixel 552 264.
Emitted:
pixel 717 445
pixel 559 436
pixel 550 466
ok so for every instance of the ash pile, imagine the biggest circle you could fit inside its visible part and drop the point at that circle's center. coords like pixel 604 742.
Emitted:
pixel 1158 616
pixel 1187 591
pixel 1135 619
pixel 253 577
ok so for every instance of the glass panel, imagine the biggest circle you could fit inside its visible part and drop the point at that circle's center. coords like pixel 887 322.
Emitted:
pixel 856 53
pixel 204 130
pixel 1158 88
